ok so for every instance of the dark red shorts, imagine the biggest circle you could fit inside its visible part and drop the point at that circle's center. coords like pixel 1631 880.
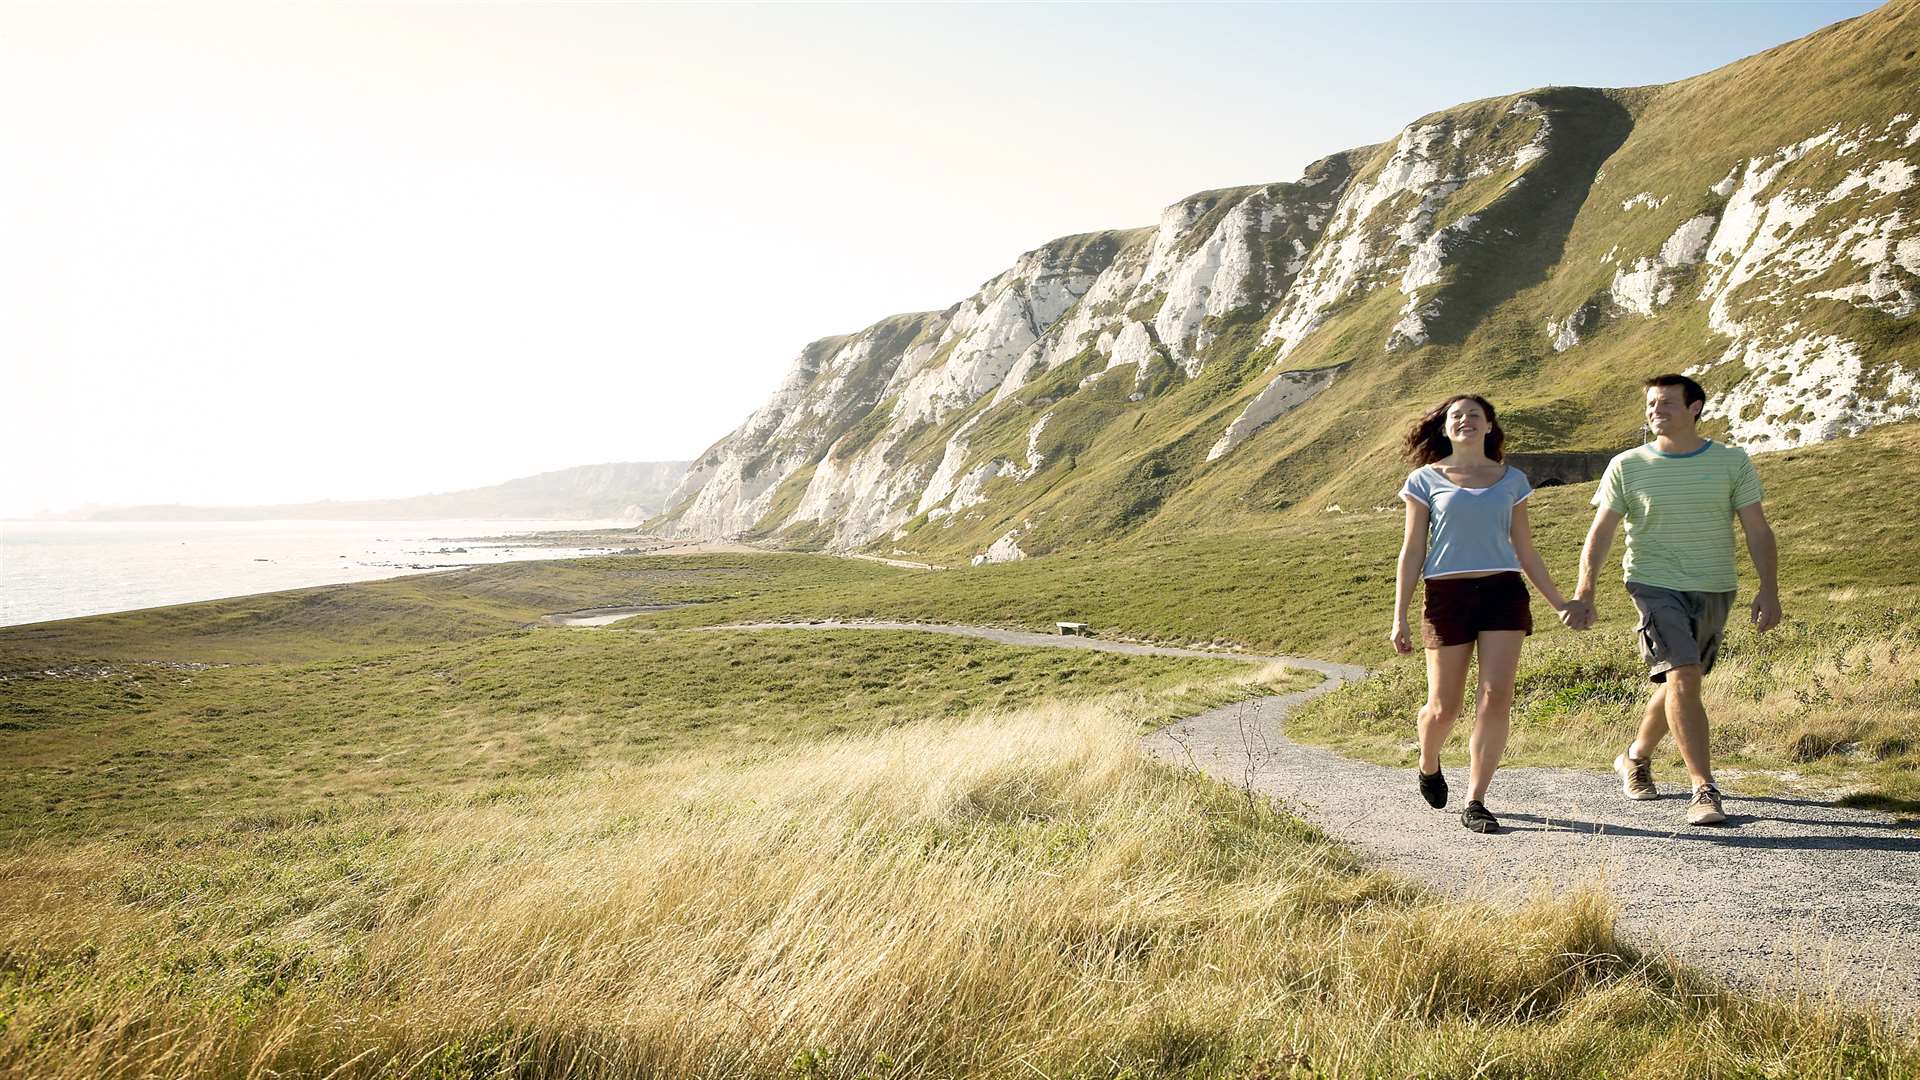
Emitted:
pixel 1458 610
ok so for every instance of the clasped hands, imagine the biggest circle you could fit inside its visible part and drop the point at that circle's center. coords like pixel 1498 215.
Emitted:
pixel 1577 614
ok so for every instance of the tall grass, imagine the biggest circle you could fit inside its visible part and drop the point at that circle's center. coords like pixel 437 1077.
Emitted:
pixel 1018 895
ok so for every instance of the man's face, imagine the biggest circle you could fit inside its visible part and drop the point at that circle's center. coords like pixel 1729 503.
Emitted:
pixel 1668 412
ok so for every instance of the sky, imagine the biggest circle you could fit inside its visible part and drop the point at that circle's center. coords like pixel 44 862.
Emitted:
pixel 274 253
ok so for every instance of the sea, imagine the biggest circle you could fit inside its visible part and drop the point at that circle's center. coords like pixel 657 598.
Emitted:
pixel 65 569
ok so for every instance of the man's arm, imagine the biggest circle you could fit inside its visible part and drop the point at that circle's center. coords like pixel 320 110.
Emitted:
pixel 1765 611
pixel 1593 556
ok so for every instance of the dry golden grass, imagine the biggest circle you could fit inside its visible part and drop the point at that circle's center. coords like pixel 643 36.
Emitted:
pixel 1856 700
pixel 1019 895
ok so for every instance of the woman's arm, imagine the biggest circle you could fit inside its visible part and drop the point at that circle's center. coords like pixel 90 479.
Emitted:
pixel 1413 555
pixel 1530 559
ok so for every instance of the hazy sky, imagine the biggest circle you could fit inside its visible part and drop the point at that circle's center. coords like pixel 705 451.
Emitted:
pixel 260 253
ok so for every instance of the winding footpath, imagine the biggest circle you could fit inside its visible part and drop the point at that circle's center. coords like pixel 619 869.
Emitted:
pixel 1791 895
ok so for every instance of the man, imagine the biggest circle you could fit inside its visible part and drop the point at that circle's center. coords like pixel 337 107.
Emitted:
pixel 1679 496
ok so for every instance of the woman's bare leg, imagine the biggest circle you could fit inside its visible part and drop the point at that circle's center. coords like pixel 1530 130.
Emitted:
pixel 1499 660
pixel 1446 685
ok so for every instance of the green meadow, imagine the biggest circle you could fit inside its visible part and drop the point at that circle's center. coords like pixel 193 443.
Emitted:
pixel 123 745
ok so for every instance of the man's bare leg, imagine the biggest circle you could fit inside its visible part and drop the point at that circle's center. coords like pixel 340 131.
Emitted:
pixel 1687 717
pixel 1653 725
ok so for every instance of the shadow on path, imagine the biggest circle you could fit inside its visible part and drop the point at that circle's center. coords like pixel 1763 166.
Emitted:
pixel 1730 833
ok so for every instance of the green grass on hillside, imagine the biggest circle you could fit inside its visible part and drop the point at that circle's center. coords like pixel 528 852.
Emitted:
pixel 1292 589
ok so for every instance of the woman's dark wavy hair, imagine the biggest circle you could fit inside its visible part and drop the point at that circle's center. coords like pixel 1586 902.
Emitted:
pixel 1427 440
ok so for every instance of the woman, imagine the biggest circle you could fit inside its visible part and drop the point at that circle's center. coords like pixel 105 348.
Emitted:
pixel 1467 536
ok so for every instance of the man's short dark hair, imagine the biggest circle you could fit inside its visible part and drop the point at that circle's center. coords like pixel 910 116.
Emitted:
pixel 1690 390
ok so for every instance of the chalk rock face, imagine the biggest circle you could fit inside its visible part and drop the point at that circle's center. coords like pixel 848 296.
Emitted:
pixel 1112 291
pixel 833 384
pixel 863 492
pixel 1138 346
pixel 1564 334
pixel 1232 266
pixel 1837 208
pixel 1396 224
pixel 859 496
pixel 1288 391
pixel 1144 298
pixel 1211 256
pixel 953 462
pixel 1807 389
pixel 1404 192
pixel 971 490
pixel 1005 549
pixel 992 329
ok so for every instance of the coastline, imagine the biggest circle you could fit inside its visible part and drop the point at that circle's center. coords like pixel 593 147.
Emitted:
pixel 52 571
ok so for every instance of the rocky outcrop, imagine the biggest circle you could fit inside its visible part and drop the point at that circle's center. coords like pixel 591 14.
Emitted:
pixel 832 387
pixel 1837 208
pixel 1136 298
pixel 862 492
pixel 1649 283
pixel 1288 391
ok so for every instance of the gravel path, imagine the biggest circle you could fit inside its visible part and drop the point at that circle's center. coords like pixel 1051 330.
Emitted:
pixel 601 616
pixel 1790 895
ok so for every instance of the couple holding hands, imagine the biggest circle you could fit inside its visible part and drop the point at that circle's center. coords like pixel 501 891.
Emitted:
pixel 1467 536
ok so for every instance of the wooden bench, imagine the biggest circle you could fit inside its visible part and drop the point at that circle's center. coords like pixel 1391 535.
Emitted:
pixel 1077 628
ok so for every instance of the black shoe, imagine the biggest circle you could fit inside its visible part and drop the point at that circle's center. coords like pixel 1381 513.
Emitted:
pixel 1475 817
pixel 1433 788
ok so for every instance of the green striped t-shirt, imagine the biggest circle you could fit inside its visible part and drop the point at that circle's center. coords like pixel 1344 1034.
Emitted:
pixel 1679 511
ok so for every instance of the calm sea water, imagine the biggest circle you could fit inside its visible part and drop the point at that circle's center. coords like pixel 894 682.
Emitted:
pixel 59 570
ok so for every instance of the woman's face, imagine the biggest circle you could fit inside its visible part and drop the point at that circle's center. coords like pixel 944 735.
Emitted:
pixel 1466 421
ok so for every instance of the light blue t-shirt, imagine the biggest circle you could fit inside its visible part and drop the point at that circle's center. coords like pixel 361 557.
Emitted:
pixel 1469 530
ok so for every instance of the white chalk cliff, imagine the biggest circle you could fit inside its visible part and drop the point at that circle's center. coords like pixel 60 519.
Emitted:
pixel 1539 228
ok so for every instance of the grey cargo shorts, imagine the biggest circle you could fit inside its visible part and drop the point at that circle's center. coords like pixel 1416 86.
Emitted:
pixel 1679 628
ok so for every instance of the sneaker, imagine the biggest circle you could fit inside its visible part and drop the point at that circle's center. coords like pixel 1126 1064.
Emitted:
pixel 1433 788
pixel 1705 808
pixel 1636 777
pixel 1475 817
